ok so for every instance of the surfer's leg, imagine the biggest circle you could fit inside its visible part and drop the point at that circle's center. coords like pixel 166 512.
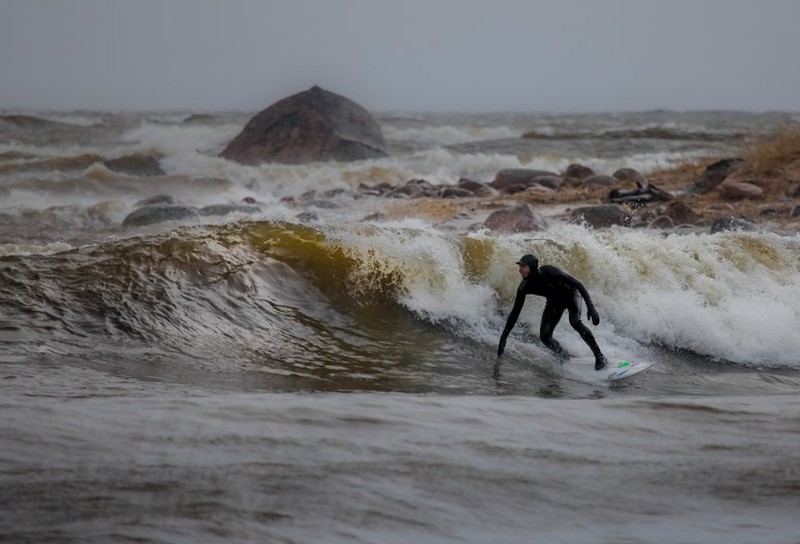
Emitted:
pixel 550 318
pixel 574 309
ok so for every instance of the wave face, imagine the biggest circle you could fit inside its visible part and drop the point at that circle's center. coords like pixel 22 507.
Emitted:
pixel 399 307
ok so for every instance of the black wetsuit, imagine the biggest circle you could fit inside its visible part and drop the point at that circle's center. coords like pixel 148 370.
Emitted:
pixel 563 292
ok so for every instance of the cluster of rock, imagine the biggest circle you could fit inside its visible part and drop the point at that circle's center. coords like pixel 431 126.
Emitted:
pixel 721 176
pixel 508 182
pixel 632 200
pixel 672 210
pixel 524 217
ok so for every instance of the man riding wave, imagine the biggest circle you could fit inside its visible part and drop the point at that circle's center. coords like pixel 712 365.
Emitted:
pixel 563 292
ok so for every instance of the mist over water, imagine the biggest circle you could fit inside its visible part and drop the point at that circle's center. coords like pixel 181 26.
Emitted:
pixel 320 371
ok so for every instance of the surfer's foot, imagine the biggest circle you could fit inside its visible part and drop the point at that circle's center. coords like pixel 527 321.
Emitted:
pixel 600 362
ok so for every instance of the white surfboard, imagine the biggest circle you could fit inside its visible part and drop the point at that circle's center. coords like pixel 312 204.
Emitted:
pixel 583 368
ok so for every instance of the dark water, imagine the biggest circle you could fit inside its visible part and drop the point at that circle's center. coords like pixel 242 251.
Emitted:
pixel 269 378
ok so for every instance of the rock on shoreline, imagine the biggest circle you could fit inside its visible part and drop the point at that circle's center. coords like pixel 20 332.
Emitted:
pixel 314 125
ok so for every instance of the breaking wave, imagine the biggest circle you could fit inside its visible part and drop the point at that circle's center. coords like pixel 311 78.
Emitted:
pixel 304 297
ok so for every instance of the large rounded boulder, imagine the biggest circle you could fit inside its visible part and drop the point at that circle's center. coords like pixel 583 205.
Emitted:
pixel 314 125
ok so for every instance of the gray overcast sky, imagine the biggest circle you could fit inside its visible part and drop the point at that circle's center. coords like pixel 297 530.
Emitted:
pixel 414 55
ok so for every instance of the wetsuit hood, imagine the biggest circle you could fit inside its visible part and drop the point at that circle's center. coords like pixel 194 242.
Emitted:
pixel 530 261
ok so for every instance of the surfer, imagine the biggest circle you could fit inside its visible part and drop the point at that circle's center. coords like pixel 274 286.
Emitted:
pixel 563 292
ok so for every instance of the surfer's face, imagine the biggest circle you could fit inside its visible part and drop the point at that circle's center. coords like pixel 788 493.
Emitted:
pixel 524 270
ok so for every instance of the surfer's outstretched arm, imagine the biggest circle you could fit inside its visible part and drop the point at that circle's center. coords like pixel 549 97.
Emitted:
pixel 511 321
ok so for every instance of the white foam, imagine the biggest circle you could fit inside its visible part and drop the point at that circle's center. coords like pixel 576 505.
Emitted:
pixel 448 135
pixel 171 140
pixel 427 264
pixel 731 296
pixel 79 120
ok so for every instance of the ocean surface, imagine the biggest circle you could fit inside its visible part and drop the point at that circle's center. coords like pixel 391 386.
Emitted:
pixel 320 371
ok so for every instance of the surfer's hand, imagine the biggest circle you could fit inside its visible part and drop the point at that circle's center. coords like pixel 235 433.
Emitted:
pixel 594 317
pixel 502 347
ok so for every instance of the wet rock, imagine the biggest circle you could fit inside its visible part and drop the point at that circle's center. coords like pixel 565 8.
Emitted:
pixel 600 181
pixel 369 192
pixel 406 191
pixel 414 188
pixel 578 171
pixel 476 187
pixel 740 190
pixel 157 199
pixel 630 175
pixel 572 182
pixel 517 176
pixel 522 218
pixel 714 174
pixel 732 223
pixel 769 212
pixel 551 182
pixel 314 125
pixel 602 216
pixel 333 193
pixel 308 195
pixel 148 215
pixel 680 212
pixel 427 187
pixel 513 189
pixel 225 209
pixel 456 192
pixel 795 211
pixel 375 190
pixel 342 194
